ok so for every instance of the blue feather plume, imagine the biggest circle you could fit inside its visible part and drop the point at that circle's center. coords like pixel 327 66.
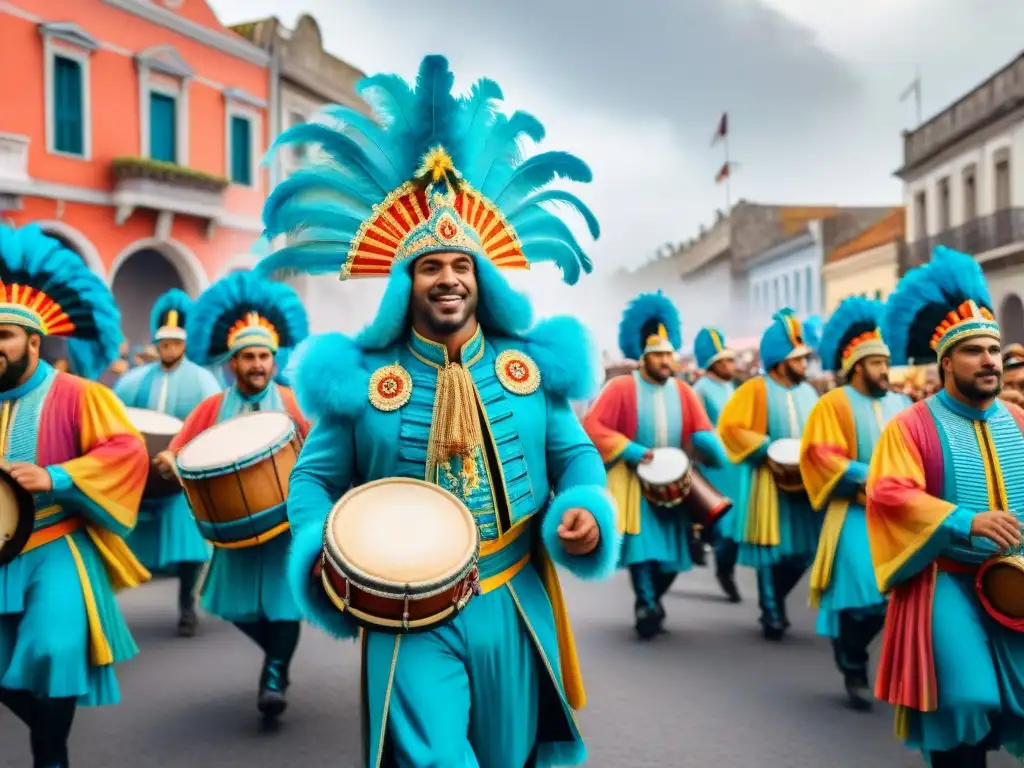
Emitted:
pixel 642 317
pixel 228 300
pixel 29 257
pixel 361 161
pixel 812 331
pixel 854 316
pixel 924 296
pixel 174 299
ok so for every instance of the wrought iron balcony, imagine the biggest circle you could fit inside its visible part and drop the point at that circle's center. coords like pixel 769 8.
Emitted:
pixel 975 236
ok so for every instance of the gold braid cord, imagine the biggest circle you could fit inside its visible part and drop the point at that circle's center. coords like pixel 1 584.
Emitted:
pixel 455 431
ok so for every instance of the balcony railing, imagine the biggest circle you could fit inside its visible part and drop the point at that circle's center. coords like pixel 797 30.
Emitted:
pixel 976 236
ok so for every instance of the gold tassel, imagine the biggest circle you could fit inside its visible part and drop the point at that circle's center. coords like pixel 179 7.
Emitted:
pixel 455 431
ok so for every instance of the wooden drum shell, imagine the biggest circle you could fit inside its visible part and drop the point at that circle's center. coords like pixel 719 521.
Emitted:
pixel 704 503
pixel 1000 588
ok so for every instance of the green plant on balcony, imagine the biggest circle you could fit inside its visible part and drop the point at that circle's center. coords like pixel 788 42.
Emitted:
pixel 170 173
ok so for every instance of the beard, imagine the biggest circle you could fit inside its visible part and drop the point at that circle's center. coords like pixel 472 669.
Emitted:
pixel 797 377
pixel 14 370
pixel 657 373
pixel 877 387
pixel 968 386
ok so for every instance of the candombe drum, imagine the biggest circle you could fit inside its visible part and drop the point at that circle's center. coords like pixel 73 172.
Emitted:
pixel 236 477
pixel 400 555
pixel 704 503
pixel 17 517
pixel 157 429
pixel 1000 588
pixel 665 480
pixel 784 462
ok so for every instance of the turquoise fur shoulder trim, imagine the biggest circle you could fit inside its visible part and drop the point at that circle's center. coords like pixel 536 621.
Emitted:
pixel 317 367
pixel 566 354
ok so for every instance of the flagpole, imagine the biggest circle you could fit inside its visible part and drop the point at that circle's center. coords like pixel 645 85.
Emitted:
pixel 728 176
pixel 917 96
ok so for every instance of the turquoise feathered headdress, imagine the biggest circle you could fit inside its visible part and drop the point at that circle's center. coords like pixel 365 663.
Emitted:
pixel 650 324
pixel 169 315
pixel 784 339
pixel 244 310
pixel 852 333
pixel 438 172
pixel 47 288
pixel 937 305
pixel 709 347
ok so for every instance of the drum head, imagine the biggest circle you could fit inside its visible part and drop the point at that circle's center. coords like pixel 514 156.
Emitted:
pixel 153 422
pixel 236 440
pixel 17 517
pixel 669 464
pixel 785 452
pixel 402 531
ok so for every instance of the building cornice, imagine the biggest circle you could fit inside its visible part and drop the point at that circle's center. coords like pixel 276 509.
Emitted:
pixel 221 41
pixel 879 256
pixel 70 33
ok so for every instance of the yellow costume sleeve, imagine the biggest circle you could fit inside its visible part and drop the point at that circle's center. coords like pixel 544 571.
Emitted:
pixel 743 423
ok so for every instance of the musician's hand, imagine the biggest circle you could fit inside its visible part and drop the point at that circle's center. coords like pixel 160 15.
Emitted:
pixel 30 477
pixel 647 458
pixel 579 532
pixel 998 526
pixel 163 462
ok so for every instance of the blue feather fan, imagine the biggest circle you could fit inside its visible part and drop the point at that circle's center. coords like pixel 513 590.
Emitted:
pixel 228 300
pixel 322 206
pixel 922 299
pixel 29 257
pixel 854 316
pixel 642 318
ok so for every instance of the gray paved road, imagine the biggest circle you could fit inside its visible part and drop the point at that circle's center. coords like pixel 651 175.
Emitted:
pixel 710 693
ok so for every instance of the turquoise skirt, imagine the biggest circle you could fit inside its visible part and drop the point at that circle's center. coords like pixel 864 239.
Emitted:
pixel 249 584
pixel 44 638
pixel 979 668
pixel 663 539
pixel 852 585
pixel 166 535
pixel 799 529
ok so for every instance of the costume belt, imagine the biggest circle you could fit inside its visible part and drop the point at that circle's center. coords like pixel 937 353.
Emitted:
pixel 949 565
pixel 502 558
pixel 52 532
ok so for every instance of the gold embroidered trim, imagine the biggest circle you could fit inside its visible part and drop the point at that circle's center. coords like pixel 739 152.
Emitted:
pixel 517 372
pixel 390 388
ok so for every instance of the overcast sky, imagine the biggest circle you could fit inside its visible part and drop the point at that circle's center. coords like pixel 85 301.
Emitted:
pixel 636 89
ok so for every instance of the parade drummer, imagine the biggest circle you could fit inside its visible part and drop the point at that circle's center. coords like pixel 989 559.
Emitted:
pixel 248 321
pixel 634 414
pixel 942 479
pixel 167 539
pixel 714 389
pixel 450 382
pixel 67 441
pixel 779 529
pixel 838 441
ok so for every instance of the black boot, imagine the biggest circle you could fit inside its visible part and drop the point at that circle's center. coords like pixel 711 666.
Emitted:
pixel 648 620
pixel 859 693
pixel 728 585
pixel 273 685
pixel 963 756
pixel 188 578
pixel 188 621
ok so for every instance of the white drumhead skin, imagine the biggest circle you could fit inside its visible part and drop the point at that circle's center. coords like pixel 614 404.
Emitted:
pixel 785 452
pixel 669 464
pixel 402 532
pixel 8 513
pixel 223 444
pixel 153 422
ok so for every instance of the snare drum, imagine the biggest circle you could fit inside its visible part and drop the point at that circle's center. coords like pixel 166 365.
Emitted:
pixel 236 477
pixel 17 517
pixel 784 461
pixel 400 555
pixel 1000 588
pixel 158 429
pixel 665 481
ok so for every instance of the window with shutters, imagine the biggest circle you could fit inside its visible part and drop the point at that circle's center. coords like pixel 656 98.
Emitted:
pixel 163 127
pixel 241 150
pixel 68 106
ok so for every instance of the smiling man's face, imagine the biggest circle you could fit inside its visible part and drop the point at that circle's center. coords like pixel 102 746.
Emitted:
pixel 444 293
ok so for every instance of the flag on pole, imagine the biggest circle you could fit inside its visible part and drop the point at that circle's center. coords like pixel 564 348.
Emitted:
pixel 723 172
pixel 913 89
pixel 723 129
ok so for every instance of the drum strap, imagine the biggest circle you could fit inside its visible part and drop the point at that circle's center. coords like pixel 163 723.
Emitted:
pixel 52 533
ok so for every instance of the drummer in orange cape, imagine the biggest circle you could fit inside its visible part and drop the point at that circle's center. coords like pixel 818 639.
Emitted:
pixel 945 486
pixel 450 384
pixel 761 426
pixel 68 442
pixel 839 438
pixel 166 538
pixel 248 321
pixel 635 414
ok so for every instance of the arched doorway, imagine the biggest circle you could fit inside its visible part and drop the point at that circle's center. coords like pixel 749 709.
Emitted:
pixel 75 242
pixel 138 282
pixel 1011 320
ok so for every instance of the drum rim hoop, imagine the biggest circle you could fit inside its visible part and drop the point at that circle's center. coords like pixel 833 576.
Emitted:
pixel 788 441
pixel 246 461
pixel 664 449
pixel 361 578
pixel 26 503
pixel 129 410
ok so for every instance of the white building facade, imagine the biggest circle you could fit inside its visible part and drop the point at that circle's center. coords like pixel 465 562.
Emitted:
pixel 963 175
pixel 786 275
